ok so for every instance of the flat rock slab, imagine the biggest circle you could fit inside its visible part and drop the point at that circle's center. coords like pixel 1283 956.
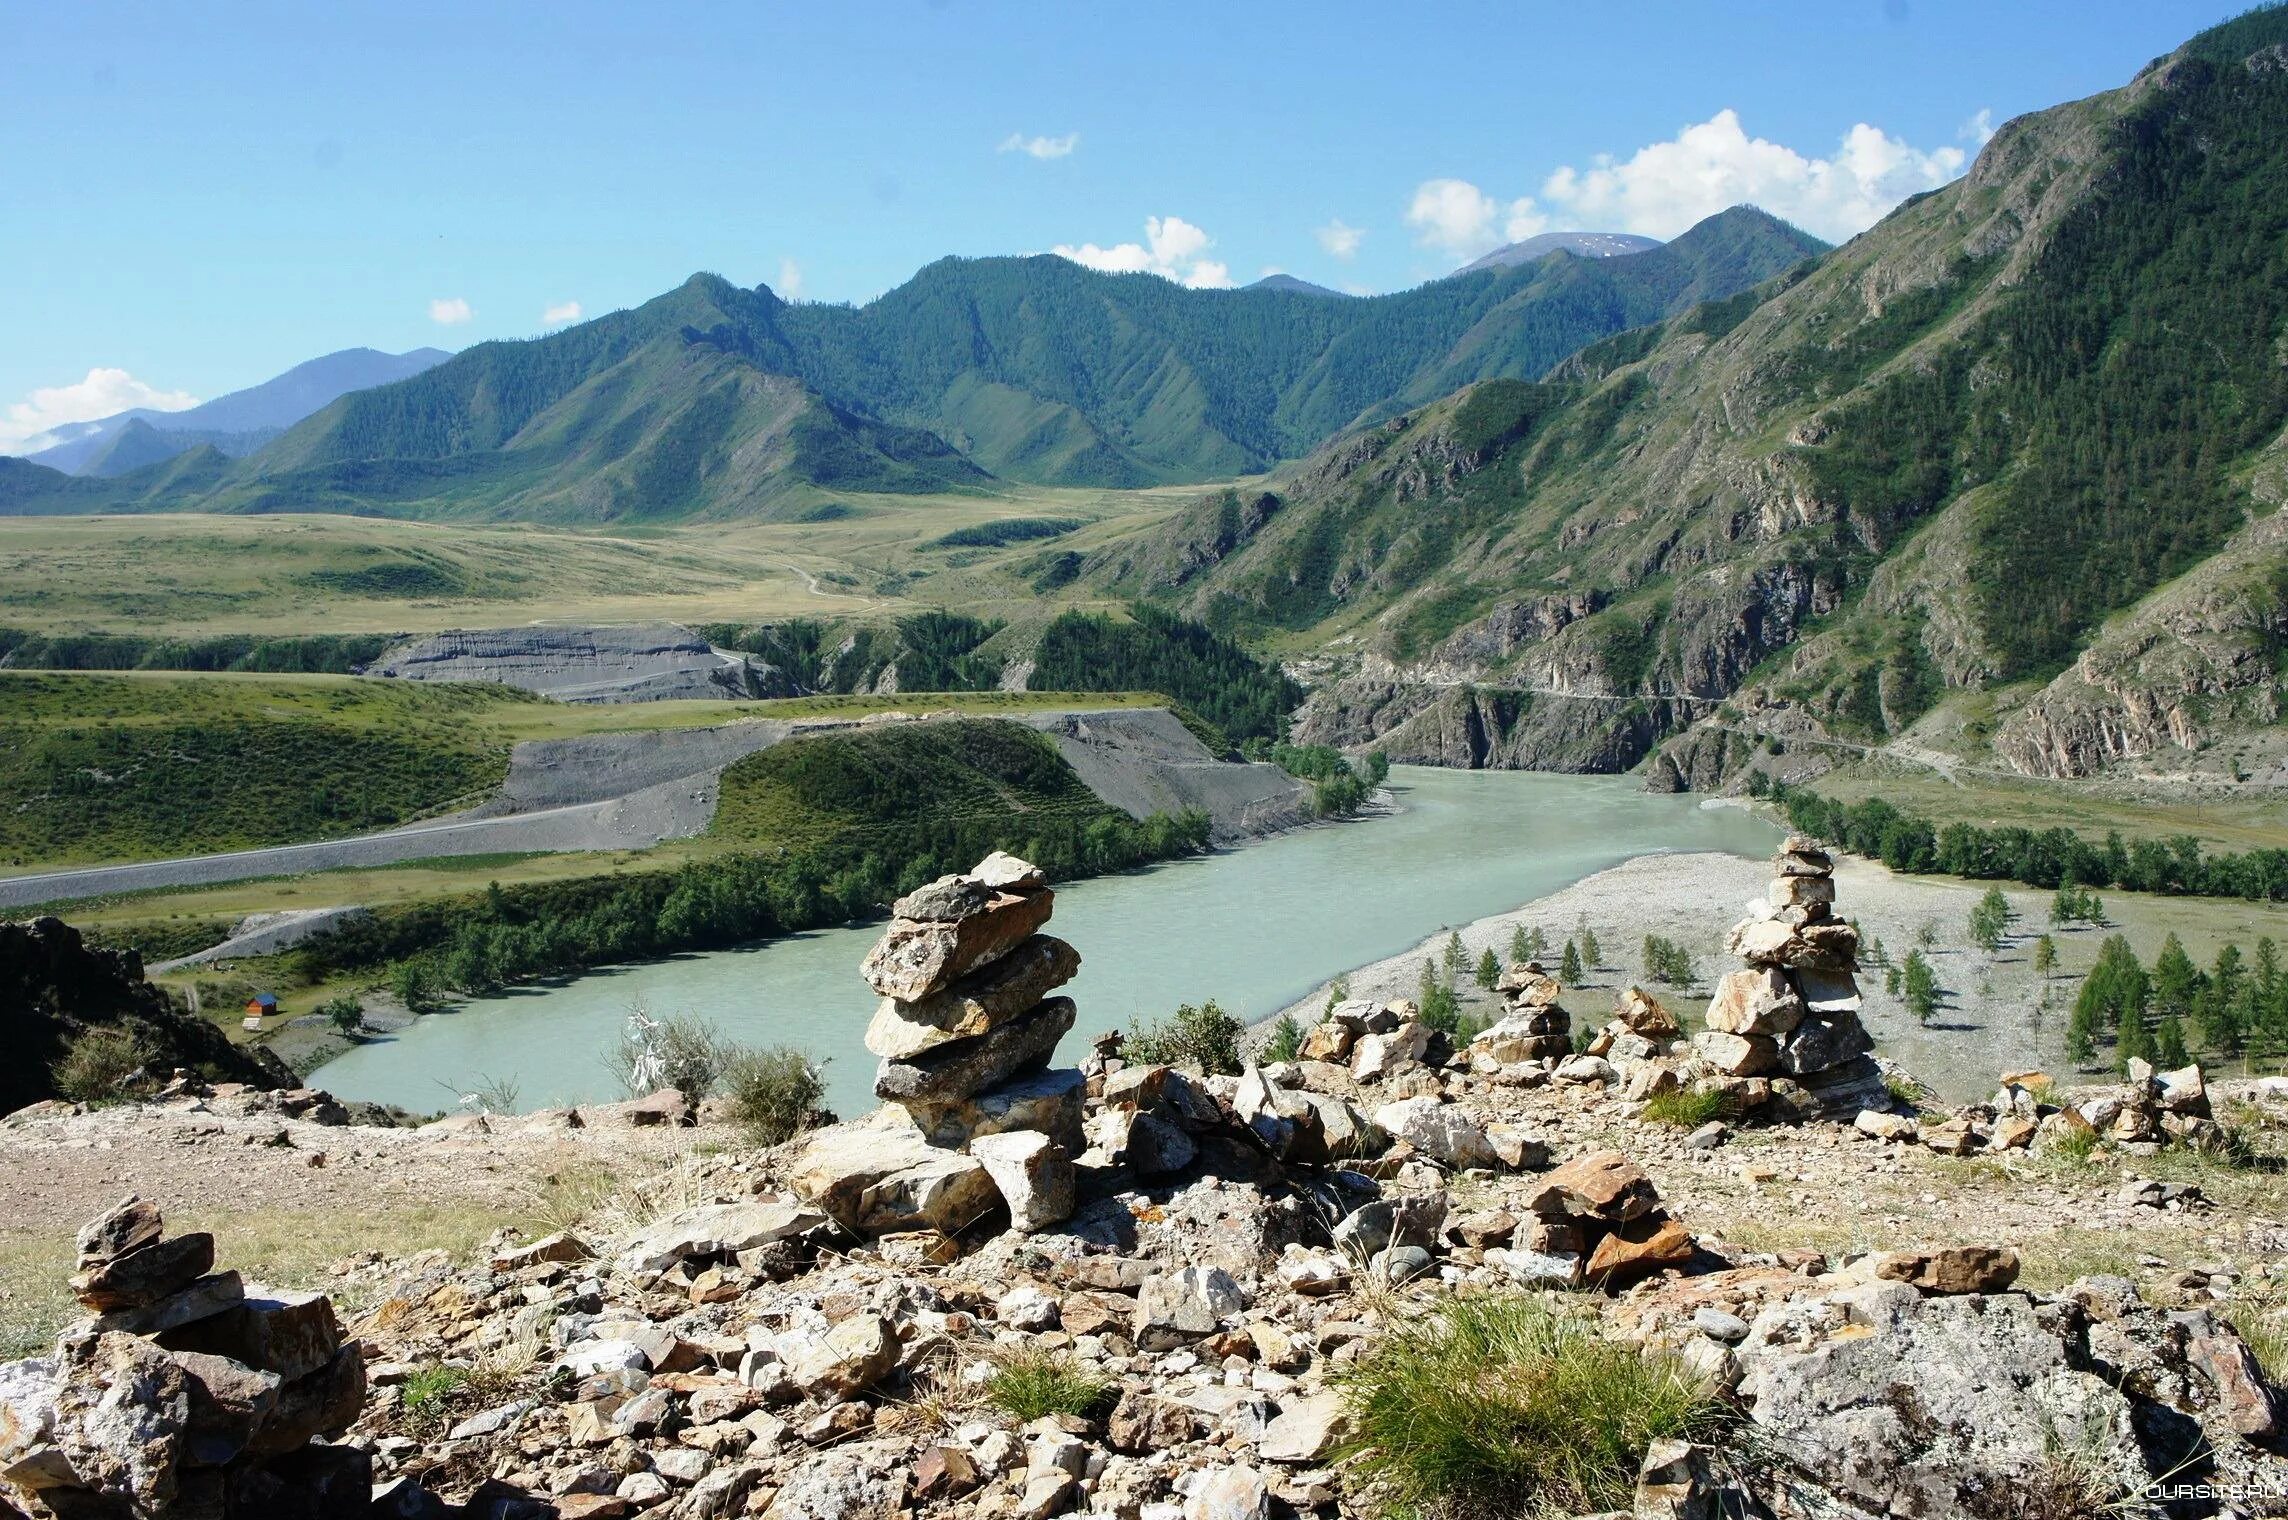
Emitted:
pixel 967 1067
pixel 880 1176
pixel 919 957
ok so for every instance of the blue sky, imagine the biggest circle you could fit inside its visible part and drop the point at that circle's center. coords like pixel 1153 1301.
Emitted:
pixel 193 198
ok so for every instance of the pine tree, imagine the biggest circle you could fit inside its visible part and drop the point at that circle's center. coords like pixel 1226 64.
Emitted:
pixel 2176 980
pixel 1520 945
pixel 1454 956
pixel 1286 1039
pixel 2131 1040
pixel 2169 1044
pixel 1489 970
pixel 1592 954
pixel 2045 955
pixel 1990 920
pixel 1439 1009
pixel 1569 969
pixel 1919 984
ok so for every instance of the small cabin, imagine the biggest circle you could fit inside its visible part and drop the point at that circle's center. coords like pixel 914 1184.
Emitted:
pixel 263 1005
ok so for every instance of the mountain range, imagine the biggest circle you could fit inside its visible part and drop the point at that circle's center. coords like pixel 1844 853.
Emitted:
pixel 716 401
pixel 235 424
pixel 1587 245
pixel 2001 477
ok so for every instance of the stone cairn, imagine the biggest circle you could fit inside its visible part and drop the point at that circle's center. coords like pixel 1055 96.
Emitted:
pixel 965 1032
pixel 1790 1021
pixel 1535 1025
pixel 188 1392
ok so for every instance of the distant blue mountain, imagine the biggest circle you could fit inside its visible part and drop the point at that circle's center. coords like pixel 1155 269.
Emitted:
pixel 1588 245
pixel 1293 286
pixel 236 424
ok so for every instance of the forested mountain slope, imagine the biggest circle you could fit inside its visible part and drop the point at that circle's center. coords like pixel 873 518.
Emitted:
pixel 1938 462
pixel 712 401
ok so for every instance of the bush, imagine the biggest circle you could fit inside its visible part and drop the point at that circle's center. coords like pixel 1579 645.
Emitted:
pixel 1502 1406
pixel 774 1091
pixel 1031 1384
pixel 1683 1107
pixel 1206 1037
pixel 682 1051
pixel 98 1065
pixel 345 1013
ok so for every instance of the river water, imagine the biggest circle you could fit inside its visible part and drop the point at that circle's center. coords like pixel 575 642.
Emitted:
pixel 1254 928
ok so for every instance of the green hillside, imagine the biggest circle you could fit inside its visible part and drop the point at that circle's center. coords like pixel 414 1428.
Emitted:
pixel 712 401
pixel 1935 462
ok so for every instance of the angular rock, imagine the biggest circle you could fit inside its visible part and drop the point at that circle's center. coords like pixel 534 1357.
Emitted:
pixel 1143 1423
pixel 713 1230
pixel 1823 1042
pixel 1638 1249
pixel 1754 1002
pixel 1230 1493
pixel 280 1330
pixel 1952 1269
pixel 128 1225
pixel 1034 1175
pixel 1052 1103
pixel 1004 872
pixel 1376 1056
pixel 1329 1040
pixel 229 1404
pixel 919 957
pixel 1647 1015
pixel 1603 1185
pixel 879 1175
pixel 1737 1055
pixel 1442 1130
pixel 990 996
pixel 1828 991
pixel 145 1275
pixel 966 1067
pixel 1306 1429
pixel 1174 1307
pixel 853 1355
pixel 1143 1143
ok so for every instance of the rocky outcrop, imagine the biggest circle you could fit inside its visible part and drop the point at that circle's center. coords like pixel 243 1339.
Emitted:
pixel 188 1393
pixel 54 990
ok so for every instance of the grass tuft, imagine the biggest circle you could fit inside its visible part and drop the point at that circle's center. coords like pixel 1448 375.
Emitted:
pixel 1029 1384
pixel 1503 1406
pixel 1684 1107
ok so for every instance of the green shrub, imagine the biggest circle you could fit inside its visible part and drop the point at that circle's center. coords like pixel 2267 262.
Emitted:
pixel 1030 1384
pixel 97 1066
pixel 1684 1107
pixel 1286 1041
pixel 682 1051
pixel 1502 1406
pixel 774 1091
pixel 1206 1037
pixel 345 1013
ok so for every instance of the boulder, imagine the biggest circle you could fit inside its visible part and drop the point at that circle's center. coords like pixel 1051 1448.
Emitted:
pixel 128 1225
pixel 1034 1175
pixel 1759 1001
pixel 1442 1130
pixel 1143 1143
pixel 966 1067
pixel 852 1356
pixel 1327 1041
pixel 1603 1185
pixel 1518 1039
pixel 1647 1015
pixel 1823 1042
pixel 280 1330
pixel 713 1230
pixel 1951 1269
pixel 1737 1055
pixel 1376 1056
pixel 1829 992
pixel 1173 1307
pixel 990 996
pixel 879 1175
pixel 1306 1429
pixel 1230 1493
pixel 1050 1102
pixel 1638 1249
pixel 917 957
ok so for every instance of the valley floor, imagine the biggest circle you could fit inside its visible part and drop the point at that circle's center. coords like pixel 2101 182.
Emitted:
pixel 1994 1019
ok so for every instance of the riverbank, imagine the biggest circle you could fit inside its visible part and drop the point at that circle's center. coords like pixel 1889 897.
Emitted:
pixel 1993 1019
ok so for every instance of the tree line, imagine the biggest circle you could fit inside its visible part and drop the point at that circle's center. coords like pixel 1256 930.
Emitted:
pixel 2056 857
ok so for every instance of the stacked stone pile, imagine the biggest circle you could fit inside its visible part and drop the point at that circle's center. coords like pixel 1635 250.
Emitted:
pixel 965 1032
pixel 1534 1025
pixel 1790 1020
pixel 189 1391
pixel 2139 1116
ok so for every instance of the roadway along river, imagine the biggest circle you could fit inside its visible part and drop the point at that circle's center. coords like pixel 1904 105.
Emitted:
pixel 1254 928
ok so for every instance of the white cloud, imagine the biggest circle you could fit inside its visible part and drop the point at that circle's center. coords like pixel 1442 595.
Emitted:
pixel 26 424
pixel 1339 239
pixel 790 280
pixel 1665 187
pixel 1172 248
pixel 1979 130
pixel 560 313
pixel 1039 147
pixel 451 313
pixel 1457 216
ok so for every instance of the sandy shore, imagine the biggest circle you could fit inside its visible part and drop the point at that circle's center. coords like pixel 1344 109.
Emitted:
pixel 1993 1020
